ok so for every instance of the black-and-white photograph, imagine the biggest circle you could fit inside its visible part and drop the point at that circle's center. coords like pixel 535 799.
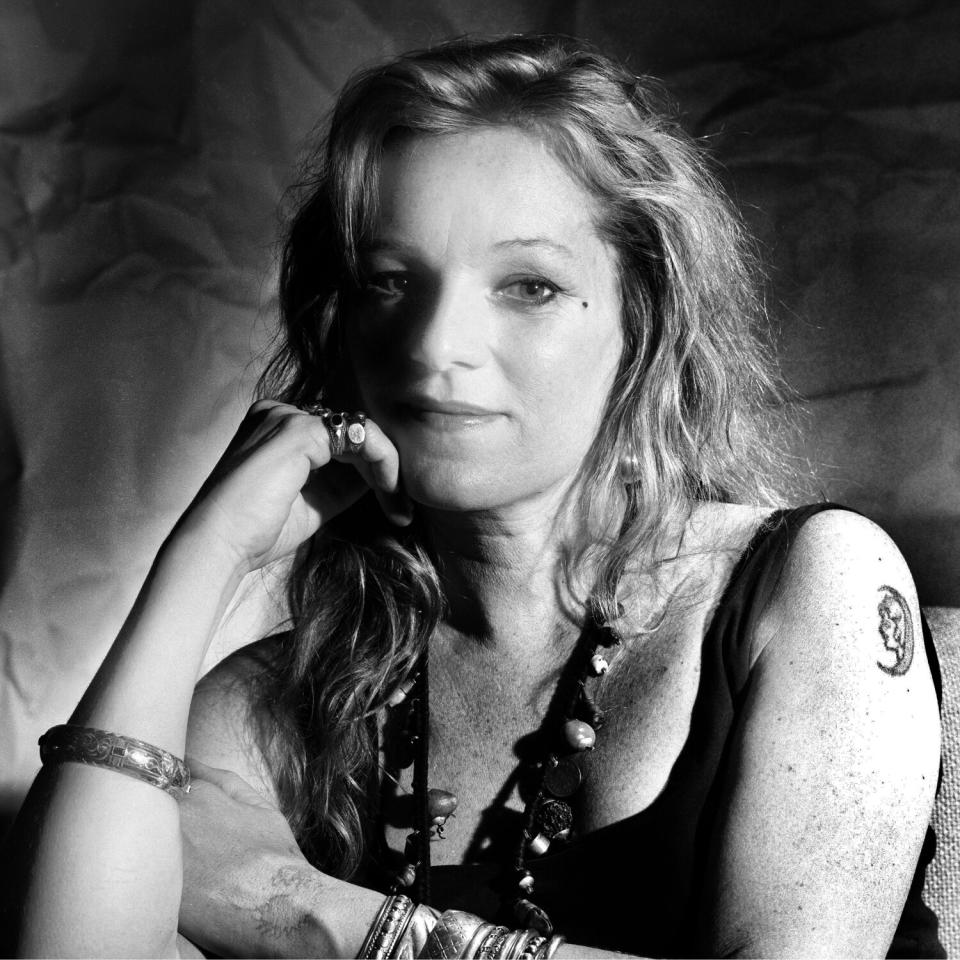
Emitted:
pixel 480 480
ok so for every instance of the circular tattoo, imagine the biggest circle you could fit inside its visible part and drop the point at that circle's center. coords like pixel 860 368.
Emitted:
pixel 896 630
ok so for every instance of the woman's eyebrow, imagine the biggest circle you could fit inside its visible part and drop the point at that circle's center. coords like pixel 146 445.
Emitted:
pixel 539 242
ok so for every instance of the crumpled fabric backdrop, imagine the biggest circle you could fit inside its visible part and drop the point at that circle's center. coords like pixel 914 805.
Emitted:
pixel 145 144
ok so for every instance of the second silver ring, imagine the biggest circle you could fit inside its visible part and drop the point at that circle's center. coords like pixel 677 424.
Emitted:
pixel 356 431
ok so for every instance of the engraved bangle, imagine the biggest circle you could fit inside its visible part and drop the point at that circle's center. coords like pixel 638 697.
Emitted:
pixel 365 950
pixel 69 743
pixel 514 944
pixel 396 927
pixel 453 932
pixel 387 928
pixel 493 943
pixel 533 946
pixel 472 947
pixel 404 942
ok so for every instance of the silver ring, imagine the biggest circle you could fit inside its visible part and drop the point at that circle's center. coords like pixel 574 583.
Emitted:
pixel 356 431
pixel 336 424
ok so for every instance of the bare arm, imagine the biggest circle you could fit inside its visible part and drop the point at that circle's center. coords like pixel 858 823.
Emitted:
pixel 97 861
pixel 95 847
pixel 835 761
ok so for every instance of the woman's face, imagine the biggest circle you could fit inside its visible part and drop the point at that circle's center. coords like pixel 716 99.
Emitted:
pixel 487 335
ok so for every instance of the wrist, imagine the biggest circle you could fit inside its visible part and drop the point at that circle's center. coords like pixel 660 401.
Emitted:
pixel 305 913
pixel 193 548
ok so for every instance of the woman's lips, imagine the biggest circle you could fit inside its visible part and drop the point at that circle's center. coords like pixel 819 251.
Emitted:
pixel 447 414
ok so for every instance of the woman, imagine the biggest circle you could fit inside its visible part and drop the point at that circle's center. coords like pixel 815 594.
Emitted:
pixel 539 584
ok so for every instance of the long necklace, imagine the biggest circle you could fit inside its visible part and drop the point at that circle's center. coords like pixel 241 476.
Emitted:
pixel 569 728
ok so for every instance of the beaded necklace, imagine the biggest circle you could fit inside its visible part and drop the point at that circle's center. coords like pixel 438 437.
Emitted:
pixel 569 727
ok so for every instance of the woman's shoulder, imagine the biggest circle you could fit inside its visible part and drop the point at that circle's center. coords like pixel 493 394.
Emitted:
pixel 843 594
pixel 815 538
pixel 780 561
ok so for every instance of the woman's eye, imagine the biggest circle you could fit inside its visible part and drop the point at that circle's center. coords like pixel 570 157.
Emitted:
pixel 530 290
pixel 387 285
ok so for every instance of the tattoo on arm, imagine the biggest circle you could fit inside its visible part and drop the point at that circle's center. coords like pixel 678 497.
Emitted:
pixel 896 631
pixel 278 916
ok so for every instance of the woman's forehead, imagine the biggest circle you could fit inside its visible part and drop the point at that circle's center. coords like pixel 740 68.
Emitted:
pixel 499 187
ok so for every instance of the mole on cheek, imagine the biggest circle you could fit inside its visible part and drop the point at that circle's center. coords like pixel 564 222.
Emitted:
pixel 584 304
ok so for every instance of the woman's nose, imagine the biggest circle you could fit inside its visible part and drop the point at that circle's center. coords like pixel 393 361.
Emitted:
pixel 450 329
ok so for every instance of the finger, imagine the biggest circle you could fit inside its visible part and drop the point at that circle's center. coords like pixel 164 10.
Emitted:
pixel 378 461
pixel 396 506
pixel 332 490
pixel 381 457
pixel 298 425
pixel 254 420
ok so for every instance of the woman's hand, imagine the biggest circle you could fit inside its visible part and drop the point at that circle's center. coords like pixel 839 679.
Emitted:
pixel 240 866
pixel 277 483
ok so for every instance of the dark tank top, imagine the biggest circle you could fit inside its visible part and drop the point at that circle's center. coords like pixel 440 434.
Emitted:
pixel 629 886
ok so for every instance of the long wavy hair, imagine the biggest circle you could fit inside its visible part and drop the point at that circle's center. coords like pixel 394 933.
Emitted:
pixel 688 418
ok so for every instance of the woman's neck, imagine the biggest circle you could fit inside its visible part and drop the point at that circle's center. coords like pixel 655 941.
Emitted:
pixel 500 573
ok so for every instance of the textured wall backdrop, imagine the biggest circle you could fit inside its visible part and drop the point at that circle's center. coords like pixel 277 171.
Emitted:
pixel 144 145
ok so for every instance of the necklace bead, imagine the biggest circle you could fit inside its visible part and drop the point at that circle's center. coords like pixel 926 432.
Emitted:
pixel 554 818
pixel 552 777
pixel 539 845
pixel 599 665
pixel 580 735
pixel 564 778
pixel 402 692
pixel 440 805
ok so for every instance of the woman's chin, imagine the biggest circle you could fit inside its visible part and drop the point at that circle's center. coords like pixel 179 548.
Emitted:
pixel 459 490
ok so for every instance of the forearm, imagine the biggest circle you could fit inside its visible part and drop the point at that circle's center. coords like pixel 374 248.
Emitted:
pixel 100 853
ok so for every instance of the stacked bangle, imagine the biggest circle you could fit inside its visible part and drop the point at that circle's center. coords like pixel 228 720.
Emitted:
pixel 387 929
pixel 462 935
pixel 69 743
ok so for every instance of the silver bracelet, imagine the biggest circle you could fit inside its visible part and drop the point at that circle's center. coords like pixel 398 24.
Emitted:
pixel 387 928
pixel 532 948
pixel 69 743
